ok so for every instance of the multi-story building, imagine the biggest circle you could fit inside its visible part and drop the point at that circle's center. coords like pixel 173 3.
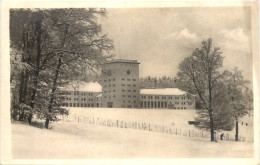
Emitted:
pixel 82 94
pixel 120 84
pixel 167 98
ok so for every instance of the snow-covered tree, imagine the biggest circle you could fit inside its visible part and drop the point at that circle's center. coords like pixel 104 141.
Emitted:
pixel 199 74
pixel 239 95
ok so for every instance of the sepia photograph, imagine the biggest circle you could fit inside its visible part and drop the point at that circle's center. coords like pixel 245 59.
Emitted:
pixel 132 82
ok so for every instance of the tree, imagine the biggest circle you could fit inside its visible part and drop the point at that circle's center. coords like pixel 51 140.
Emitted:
pixel 240 97
pixel 58 45
pixel 199 74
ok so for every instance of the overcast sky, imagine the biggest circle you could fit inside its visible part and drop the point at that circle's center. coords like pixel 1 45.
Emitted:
pixel 160 38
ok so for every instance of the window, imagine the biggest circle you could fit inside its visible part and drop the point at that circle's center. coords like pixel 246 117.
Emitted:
pixel 162 104
pixel 114 90
pixel 165 104
pixel 85 105
pixel 109 85
pixel 123 95
pixel 148 103
pixel 142 104
pixel 128 90
pixel 114 85
pixel 158 104
pixel 145 104
pixel 128 79
pixel 152 104
pixel 114 96
pixel 134 85
pixel 134 79
pixel 128 72
pixel 134 96
pixel 88 105
pixel 129 96
pixel 123 85
pixel 81 104
pixel 114 79
pixel 70 104
pixel 123 78
pixel 77 104
pixel 128 85
pixel 123 90
pixel 105 86
pixel 74 104
pixel 134 90
pixel 109 79
pixel 155 104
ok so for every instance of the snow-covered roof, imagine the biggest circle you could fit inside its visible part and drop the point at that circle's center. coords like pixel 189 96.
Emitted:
pixel 162 91
pixel 85 87
pixel 100 95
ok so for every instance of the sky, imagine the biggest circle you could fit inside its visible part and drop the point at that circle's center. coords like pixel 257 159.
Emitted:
pixel 160 38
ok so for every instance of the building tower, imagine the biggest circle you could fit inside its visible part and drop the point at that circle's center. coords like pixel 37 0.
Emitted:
pixel 120 84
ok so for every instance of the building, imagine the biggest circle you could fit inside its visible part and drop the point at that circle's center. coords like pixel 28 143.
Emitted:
pixel 121 89
pixel 166 98
pixel 120 84
pixel 82 94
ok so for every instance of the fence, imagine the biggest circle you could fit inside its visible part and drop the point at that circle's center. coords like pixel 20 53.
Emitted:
pixel 191 133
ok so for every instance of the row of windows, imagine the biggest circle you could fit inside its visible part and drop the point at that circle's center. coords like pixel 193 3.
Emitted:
pixel 134 96
pixel 110 80
pixel 164 97
pixel 77 99
pixel 129 96
pixel 79 105
pixel 128 79
pixel 109 91
pixel 134 85
pixel 123 90
pixel 152 104
pixel 158 104
pixel 80 93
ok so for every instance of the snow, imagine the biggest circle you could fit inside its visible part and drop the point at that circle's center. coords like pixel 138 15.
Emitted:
pixel 173 119
pixel 162 91
pixel 78 140
pixel 92 86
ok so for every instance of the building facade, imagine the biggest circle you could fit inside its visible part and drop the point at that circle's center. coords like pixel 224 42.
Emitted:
pixel 166 98
pixel 120 84
pixel 82 94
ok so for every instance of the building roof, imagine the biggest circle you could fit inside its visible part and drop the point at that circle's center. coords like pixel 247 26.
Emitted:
pixel 123 61
pixel 100 95
pixel 92 86
pixel 162 91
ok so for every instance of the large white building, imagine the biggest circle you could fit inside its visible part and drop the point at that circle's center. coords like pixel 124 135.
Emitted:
pixel 120 89
pixel 167 98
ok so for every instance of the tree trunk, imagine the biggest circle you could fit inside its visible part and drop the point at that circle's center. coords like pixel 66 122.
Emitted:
pixel 211 127
pixel 47 123
pixel 37 67
pixel 54 87
pixel 236 136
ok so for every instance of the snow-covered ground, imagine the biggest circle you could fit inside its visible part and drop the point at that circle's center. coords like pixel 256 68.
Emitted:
pixel 176 119
pixel 77 140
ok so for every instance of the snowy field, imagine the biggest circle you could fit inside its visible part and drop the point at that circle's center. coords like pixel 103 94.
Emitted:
pixel 176 119
pixel 77 140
